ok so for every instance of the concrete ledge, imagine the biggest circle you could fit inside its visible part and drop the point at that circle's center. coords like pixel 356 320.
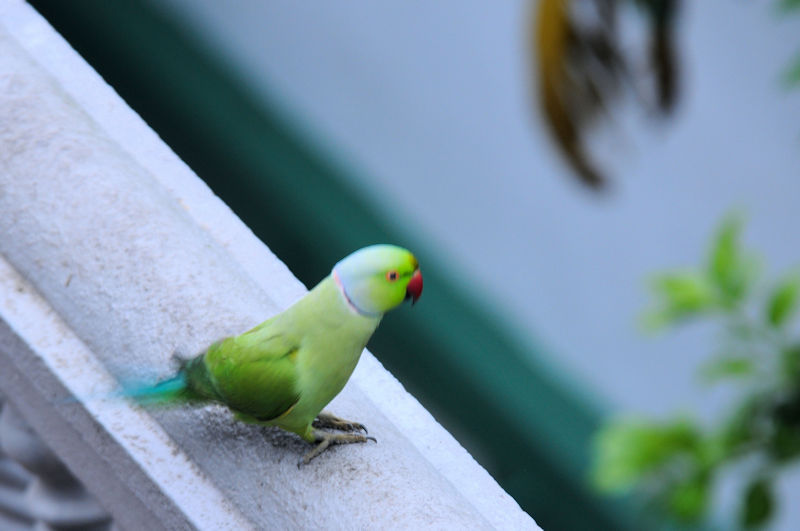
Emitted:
pixel 114 255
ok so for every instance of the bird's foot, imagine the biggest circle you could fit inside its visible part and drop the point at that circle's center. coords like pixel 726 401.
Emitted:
pixel 332 422
pixel 325 439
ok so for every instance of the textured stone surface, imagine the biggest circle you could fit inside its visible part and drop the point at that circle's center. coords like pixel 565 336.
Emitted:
pixel 115 256
pixel 53 497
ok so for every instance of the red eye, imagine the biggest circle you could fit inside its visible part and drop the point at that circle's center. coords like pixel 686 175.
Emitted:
pixel 391 276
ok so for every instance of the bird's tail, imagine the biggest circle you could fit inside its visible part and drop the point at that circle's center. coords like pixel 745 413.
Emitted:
pixel 167 392
pixel 191 384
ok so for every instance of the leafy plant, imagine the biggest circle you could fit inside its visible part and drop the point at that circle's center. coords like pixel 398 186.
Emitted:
pixel 675 463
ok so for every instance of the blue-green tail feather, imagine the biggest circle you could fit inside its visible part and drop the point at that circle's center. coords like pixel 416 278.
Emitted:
pixel 168 392
pixel 191 384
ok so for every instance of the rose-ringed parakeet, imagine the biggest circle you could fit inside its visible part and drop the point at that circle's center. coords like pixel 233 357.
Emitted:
pixel 285 370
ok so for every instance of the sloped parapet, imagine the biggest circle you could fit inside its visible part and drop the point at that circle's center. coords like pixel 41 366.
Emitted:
pixel 113 256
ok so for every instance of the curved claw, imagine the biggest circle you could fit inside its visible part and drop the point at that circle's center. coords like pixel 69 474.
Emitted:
pixel 328 421
pixel 326 439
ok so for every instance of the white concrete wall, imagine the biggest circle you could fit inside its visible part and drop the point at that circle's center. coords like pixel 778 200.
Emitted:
pixel 112 256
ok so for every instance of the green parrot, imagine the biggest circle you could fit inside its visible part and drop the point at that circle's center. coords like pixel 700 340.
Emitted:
pixel 286 370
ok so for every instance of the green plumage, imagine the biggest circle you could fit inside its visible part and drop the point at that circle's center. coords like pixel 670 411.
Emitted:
pixel 285 370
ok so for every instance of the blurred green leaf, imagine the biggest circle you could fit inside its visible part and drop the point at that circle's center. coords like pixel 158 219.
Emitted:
pixel 743 426
pixel 785 443
pixel 627 450
pixel 758 503
pixel 688 500
pixel 726 367
pixel 787 409
pixel 791 75
pixel 681 295
pixel 729 269
pixel 783 301
pixel 789 5
pixel 725 249
pixel 790 363
pixel 688 291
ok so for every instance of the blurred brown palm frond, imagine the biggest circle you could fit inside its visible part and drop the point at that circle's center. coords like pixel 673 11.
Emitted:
pixel 581 68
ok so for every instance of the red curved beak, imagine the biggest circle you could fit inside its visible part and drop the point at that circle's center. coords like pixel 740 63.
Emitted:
pixel 414 288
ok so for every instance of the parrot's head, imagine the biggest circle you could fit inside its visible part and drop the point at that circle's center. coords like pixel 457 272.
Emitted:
pixel 377 278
